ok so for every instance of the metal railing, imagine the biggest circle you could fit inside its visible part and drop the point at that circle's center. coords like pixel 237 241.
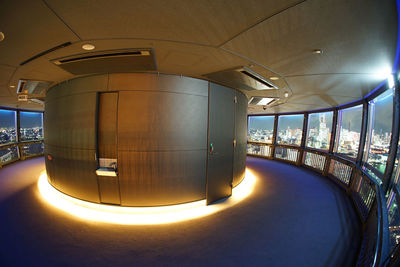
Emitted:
pixel 365 192
pixel 20 151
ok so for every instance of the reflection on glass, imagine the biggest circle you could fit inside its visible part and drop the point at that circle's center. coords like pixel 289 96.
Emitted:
pixel 394 219
pixel 348 131
pixel 379 131
pixel 32 149
pixel 261 129
pixel 31 126
pixel 290 128
pixel 7 127
pixel 319 130
pixel 396 169
pixel 8 154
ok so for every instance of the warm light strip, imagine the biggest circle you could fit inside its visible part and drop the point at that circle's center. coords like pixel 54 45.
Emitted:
pixel 141 215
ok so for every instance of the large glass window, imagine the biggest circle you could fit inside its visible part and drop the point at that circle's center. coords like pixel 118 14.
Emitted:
pixel 379 131
pixel 261 129
pixel 31 126
pixel 319 130
pixel 348 131
pixel 7 127
pixel 290 129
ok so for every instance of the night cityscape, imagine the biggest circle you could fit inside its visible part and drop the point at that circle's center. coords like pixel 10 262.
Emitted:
pixel 30 130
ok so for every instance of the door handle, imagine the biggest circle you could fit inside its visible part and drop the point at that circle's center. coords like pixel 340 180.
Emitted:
pixel 211 149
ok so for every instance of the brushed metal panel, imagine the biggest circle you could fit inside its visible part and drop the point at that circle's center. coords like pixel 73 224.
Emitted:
pixel 70 121
pixel 239 155
pixel 109 190
pixel 161 178
pixel 221 135
pixel 74 172
pixel 86 84
pixel 154 82
pixel 107 125
pixel 155 121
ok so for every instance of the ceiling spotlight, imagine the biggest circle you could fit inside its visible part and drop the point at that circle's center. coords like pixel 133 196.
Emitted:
pixel 2 36
pixel 12 86
pixel 274 78
pixel 88 47
pixel 286 94
pixel 317 51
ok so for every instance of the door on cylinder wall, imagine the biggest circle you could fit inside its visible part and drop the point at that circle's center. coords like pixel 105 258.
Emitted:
pixel 220 142
pixel 107 172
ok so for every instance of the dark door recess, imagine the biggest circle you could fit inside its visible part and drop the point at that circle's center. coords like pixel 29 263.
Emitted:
pixel 220 142
pixel 107 177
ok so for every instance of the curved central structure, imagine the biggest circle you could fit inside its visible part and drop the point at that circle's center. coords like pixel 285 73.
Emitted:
pixel 135 139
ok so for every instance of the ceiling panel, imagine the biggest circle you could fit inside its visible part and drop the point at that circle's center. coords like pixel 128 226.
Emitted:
pixel 356 36
pixel 5 75
pixel 207 22
pixel 345 85
pixel 30 28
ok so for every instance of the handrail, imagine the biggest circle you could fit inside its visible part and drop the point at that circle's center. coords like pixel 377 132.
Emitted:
pixel 377 259
pixel 20 153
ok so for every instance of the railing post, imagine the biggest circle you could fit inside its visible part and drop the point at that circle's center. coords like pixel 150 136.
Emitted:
pixel 274 136
pixel 303 139
pixel 387 176
pixel 363 135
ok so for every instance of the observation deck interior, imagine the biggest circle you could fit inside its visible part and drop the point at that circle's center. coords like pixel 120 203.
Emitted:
pixel 294 217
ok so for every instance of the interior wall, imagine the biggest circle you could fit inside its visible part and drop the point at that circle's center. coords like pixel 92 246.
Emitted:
pixel 162 127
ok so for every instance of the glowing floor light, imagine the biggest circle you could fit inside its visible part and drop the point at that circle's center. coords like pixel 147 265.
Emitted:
pixel 141 215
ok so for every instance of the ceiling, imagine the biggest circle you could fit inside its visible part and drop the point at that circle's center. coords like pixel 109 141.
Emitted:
pixel 197 37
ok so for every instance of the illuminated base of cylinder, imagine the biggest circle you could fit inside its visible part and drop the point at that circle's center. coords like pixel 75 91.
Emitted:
pixel 141 215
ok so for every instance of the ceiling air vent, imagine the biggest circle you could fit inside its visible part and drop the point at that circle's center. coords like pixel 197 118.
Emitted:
pixel 32 87
pixel 262 101
pixel 242 78
pixel 111 61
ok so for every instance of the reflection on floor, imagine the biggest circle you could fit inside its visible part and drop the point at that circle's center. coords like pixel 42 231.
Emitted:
pixel 293 218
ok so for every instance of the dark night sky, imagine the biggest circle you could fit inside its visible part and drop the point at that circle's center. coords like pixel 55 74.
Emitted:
pixel 351 117
pixel 28 119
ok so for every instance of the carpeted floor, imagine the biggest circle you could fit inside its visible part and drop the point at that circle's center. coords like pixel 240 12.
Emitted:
pixel 294 218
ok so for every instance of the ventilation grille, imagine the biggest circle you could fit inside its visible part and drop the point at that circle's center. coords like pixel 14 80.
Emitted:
pixel 126 60
pixel 242 78
pixel 264 101
pixel 32 87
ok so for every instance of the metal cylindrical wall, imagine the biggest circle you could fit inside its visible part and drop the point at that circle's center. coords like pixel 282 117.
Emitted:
pixel 161 138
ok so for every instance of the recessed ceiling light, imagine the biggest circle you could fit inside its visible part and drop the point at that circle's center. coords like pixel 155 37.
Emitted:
pixel 12 86
pixel 286 94
pixel 2 36
pixel 274 78
pixel 317 51
pixel 88 47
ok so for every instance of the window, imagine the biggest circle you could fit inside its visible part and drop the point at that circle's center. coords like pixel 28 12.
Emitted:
pixel 8 154
pixel 348 131
pixel 379 131
pixel 261 129
pixel 7 127
pixel 290 129
pixel 319 130
pixel 31 126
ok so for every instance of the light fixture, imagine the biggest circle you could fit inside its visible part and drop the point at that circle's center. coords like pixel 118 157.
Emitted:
pixel 2 36
pixel 390 81
pixel 141 215
pixel 12 86
pixel 318 51
pixel 274 78
pixel 88 47
pixel 265 101
pixel 286 94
